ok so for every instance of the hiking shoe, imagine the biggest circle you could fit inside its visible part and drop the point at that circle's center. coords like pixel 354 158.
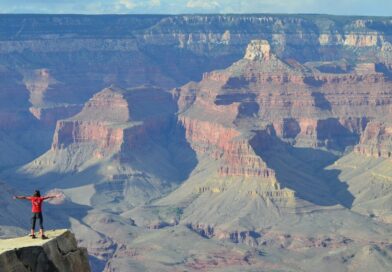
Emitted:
pixel 33 236
pixel 43 237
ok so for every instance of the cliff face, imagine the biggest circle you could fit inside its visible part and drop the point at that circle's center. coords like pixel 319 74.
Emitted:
pixel 59 253
pixel 376 140
pixel 123 133
pixel 304 105
pixel 237 156
pixel 96 123
pixel 37 51
pixel 125 33
pixel 251 122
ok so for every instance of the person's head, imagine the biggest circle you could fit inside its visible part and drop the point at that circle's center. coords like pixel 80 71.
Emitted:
pixel 37 193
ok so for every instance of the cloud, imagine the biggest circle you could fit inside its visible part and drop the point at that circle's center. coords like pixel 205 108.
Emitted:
pixel 251 6
pixel 133 4
pixel 128 4
pixel 155 3
pixel 202 4
pixel 79 6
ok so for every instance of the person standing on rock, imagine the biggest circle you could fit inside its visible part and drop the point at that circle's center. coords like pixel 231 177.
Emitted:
pixel 36 207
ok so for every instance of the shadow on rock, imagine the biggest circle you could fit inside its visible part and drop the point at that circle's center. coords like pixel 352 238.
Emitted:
pixel 303 170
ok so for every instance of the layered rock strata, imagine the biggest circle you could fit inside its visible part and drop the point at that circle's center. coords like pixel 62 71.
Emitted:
pixel 236 118
pixel 118 134
pixel 306 105
pixel 48 71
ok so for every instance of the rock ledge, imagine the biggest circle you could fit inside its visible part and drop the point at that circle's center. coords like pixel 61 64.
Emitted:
pixel 58 253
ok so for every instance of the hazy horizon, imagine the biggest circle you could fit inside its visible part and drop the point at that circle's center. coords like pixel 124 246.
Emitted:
pixel 175 7
pixel 197 13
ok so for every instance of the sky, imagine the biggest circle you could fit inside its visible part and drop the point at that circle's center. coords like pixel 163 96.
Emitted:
pixel 338 7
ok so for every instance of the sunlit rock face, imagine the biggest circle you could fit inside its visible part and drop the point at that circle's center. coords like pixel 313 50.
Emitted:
pixel 376 140
pixel 258 49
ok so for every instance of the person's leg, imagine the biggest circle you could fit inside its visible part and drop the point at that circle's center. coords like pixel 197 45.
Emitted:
pixel 33 219
pixel 41 225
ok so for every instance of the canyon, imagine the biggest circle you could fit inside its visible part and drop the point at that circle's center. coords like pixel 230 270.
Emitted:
pixel 202 142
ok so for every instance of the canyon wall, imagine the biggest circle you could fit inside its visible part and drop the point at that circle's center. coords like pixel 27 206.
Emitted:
pixel 38 51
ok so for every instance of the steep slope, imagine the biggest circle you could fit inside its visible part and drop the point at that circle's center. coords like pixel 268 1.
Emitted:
pixel 368 180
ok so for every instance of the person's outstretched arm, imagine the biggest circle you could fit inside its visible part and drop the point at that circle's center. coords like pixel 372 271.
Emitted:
pixel 22 197
pixel 50 197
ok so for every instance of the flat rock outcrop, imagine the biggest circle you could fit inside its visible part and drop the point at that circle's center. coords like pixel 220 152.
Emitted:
pixel 58 253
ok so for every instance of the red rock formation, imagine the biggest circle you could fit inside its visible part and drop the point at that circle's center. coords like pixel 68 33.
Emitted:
pixel 98 133
pixel 304 107
pixel 108 105
pixel 207 136
pixel 104 127
pixel 376 140
pixel 237 157
pixel 101 122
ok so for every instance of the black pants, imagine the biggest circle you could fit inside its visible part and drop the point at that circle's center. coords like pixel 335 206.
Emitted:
pixel 37 215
